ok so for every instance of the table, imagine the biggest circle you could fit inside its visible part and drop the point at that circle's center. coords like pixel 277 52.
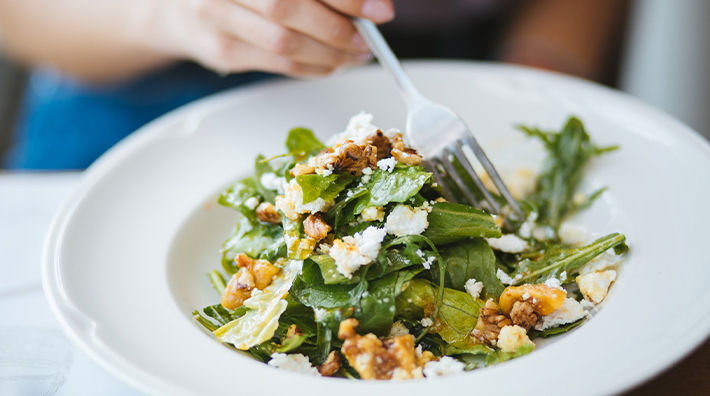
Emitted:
pixel 27 205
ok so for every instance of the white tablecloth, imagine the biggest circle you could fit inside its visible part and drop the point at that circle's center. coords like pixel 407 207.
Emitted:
pixel 27 205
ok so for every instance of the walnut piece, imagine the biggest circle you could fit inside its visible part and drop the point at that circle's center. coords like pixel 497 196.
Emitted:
pixel 302 169
pixel 523 314
pixel 252 274
pixel 267 213
pixel 404 154
pixel 331 365
pixel 315 226
pixel 353 158
pixel 373 358
pixel 490 321
pixel 382 143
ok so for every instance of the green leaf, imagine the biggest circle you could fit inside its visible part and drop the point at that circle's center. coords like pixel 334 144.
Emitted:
pixel 260 168
pixel 310 289
pixel 457 316
pixel 472 258
pixel 377 307
pixel 555 330
pixel 568 152
pixel 250 238
pixel 234 196
pixel 326 187
pixel 499 356
pixel 558 259
pixel 329 271
pixel 301 143
pixel 396 186
pixel 450 222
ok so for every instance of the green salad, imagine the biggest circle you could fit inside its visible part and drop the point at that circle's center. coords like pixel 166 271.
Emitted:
pixel 348 261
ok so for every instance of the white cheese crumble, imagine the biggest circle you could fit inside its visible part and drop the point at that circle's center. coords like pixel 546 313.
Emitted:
pixel 428 262
pixel 572 234
pixel 503 277
pixel 387 164
pixel 543 233
pixel 570 311
pixel 473 287
pixel 352 252
pixel 293 362
pixel 398 329
pixel 405 220
pixel 509 243
pixel 443 367
pixel 606 260
pixel 359 128
pixel 554 282
pixel 272 182
pixel 426 322
pixel 526 228
pixel 291 203
pixel 251 203
pixel 595 286
pixel 373 213
pixel 511 338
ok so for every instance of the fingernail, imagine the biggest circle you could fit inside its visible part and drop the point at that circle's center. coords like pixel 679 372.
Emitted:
pixel 377 10
pixel 359 43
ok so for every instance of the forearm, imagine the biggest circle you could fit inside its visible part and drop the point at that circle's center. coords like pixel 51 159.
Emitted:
pixel 98 41
pixel 572 36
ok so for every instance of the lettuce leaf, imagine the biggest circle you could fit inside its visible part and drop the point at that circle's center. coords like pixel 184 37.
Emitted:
pixel 450 222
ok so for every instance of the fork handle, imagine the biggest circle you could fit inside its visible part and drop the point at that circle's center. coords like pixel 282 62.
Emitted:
pixel 387 59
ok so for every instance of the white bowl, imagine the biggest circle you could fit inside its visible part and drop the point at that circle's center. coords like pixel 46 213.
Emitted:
pixel 126 259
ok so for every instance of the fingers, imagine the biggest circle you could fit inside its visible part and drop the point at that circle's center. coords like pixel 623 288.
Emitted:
pixel 312 18
pixel 379 11
pixel 260 32
pixel 229 55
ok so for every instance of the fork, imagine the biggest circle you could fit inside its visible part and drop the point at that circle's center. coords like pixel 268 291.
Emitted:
pixel 438 133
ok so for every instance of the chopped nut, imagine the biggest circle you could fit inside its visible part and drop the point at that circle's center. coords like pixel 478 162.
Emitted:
pixel 262 271
pixel 315 226
pixel 331 365
pixel 352 158
pixel 404 154
pixel 382 143
pixel 302 169
pixel 238 289
pixel 490 321
pixel 374 359
pixel 267 213
pixel 523 314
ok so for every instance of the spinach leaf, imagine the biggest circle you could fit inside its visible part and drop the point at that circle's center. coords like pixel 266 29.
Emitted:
pixel 251 238
pixel 451 222
pixel 329 271
pixel 377 307
pixel 310 289
pixel 234 196
pixel 472 258
pixel 558 259
pixel 569 150
pixel 301 143
pixel 396 186
pixel 457 316
pixel 343 212
pixel 326 187
pixel 260 168
pixel 556 330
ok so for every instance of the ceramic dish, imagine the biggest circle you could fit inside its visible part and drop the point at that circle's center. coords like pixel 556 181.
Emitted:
pixel 126 258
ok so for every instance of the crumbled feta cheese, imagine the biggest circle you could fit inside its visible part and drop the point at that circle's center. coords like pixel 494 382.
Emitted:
pixel 503 277
pixel 511 338
pixel 509 243
pixel 365 179
pixel 594 286
pixel 570 311
pixel 367 171
pixel 543 233
pixel 373 213
pixel 606 260
pixel 352 252
pixel 405 220
pixel 554 282
pixel 563 276
pixel 526 228
pixel 473 287
pixel 272 182
pixel 398 329
pixel 291 203
pixel 293 362
pixel 426 322
pixel 525 296
pixel 428 262
pixel 443 367
pixel 387 164
pixel 251 203
pixel 572 234
pixel 359 128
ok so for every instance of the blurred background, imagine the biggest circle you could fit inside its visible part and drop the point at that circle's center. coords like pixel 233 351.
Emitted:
pixel 656 50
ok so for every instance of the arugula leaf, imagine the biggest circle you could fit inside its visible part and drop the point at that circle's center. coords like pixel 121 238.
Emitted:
pixel 326 187
pixel 472 258
pixel 377 307
pixel 558 259
pixel 457 316
pixel 569 150
pixel 235 195
pixel 451 222
pixel 396 186
pixel 301 143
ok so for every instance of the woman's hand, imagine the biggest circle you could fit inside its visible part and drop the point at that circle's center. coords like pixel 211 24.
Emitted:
pixel 292 37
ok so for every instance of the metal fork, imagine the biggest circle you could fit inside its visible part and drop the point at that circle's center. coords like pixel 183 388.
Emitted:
pixel 438 133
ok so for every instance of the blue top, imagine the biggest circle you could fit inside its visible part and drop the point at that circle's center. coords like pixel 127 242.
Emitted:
pixel 66 125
